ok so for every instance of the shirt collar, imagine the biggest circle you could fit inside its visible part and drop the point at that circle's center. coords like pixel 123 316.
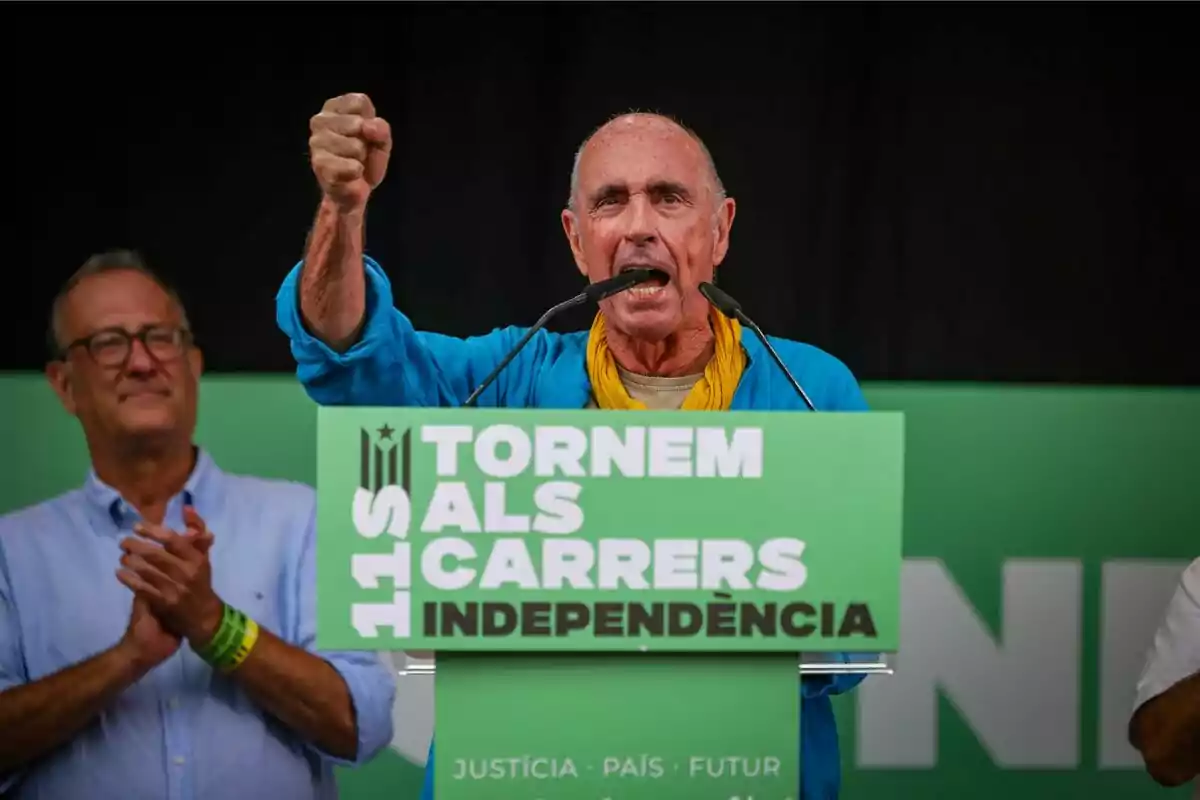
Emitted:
pixel 111 506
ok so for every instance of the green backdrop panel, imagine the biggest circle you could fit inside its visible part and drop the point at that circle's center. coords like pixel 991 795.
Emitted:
pixel 1044 531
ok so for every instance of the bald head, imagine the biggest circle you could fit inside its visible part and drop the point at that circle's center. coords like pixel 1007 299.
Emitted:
pixel 646 126
pixel 645 193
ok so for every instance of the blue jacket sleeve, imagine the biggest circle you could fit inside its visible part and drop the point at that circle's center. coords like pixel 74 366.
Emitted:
pixel 842 394
pixel 392 364
pixel 427 785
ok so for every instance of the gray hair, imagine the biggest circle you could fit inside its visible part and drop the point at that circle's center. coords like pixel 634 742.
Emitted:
pixel 717 186
pixel 101 264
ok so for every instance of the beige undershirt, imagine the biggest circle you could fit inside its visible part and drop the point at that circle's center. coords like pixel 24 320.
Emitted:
pixel 659 394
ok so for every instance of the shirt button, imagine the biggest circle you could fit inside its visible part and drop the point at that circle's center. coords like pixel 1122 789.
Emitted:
pixel 179 760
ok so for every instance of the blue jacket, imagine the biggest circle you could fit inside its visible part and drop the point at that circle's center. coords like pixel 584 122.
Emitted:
pixel 395 365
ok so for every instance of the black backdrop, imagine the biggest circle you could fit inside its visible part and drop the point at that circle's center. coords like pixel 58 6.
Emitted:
pixel 952 192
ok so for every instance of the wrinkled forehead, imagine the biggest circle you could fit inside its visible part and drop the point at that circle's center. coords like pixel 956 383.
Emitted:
pixel 634 151
pixel 122 299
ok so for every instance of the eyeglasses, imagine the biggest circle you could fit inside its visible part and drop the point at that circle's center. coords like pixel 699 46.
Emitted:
pixel 111 347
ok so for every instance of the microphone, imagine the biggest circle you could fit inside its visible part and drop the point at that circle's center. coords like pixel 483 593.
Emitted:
pixel 595 292
pixel 724 303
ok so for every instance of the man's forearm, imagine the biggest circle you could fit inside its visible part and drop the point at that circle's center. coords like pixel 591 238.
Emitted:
pixel 1167 732
pixel 333 288
pixel 39 716
pixel 304 692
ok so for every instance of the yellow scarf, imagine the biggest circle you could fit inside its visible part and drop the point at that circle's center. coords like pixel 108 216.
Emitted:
pixel 713 392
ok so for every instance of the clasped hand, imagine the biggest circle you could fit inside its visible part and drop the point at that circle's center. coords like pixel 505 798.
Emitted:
pixel 172 574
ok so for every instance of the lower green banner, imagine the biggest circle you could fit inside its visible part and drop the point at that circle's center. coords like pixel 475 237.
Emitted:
pixel 617 727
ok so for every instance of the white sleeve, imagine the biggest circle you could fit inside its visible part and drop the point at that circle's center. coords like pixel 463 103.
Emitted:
pixel 1175 654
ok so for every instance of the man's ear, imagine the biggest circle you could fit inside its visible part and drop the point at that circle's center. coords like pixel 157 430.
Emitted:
pixel 571 228
pixel 196 361
pixel 722 225
pixel 58 375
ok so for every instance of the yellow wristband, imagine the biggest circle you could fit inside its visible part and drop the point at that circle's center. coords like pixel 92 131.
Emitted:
pixel 244 647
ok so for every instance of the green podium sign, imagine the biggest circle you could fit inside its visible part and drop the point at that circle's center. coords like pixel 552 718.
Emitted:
pixel 617 599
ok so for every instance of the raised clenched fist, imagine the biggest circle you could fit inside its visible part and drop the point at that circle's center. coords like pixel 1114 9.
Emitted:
pixel 349 147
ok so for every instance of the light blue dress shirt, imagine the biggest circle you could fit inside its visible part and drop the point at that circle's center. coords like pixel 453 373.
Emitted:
pixel 183 732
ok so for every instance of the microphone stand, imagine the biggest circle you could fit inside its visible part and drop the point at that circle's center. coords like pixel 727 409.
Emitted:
pixel 577 300
pixel 724 302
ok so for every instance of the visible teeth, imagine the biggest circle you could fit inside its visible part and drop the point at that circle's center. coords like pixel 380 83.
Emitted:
pixel 646 289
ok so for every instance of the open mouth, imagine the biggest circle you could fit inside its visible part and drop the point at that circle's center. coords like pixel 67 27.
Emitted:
pixel 651 287
pixel 143 394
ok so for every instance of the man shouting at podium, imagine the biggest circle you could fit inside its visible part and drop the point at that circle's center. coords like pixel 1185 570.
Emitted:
pixel 644 193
